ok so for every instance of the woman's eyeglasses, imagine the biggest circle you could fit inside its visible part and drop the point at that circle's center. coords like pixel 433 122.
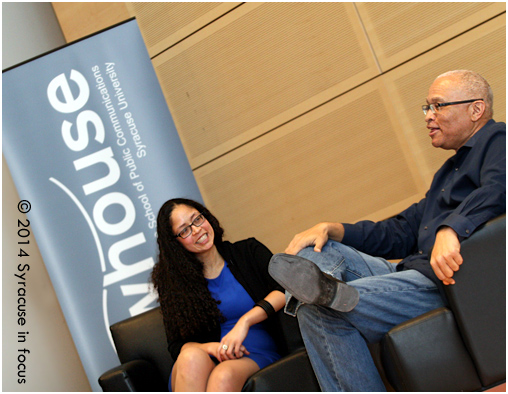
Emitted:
pixel 187 231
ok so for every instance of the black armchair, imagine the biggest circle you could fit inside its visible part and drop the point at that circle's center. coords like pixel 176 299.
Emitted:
pixel 462 347
pixel 146 363
pixel 459 348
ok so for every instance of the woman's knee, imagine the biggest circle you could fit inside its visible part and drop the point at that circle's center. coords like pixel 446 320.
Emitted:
pixel 193 363
pixel 222 377
pixel 231 376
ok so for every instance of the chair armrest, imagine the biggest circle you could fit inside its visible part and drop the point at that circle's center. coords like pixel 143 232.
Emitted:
pixel 478 299
pixel 136 375
pixel 427 354
pixel 291 373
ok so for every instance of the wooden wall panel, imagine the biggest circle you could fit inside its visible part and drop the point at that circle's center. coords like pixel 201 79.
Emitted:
pixel 400 31
pixel 258 67
pixel 330 164
pixel 294 113
pixel 78 20
pixel 163 24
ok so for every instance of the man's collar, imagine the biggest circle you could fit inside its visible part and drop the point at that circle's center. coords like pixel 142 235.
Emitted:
pixel 470 142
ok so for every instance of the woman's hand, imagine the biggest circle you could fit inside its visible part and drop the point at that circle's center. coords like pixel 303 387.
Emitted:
pixel 231 346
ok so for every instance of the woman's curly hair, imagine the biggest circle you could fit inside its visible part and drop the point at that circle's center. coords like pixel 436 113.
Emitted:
pixel 186 303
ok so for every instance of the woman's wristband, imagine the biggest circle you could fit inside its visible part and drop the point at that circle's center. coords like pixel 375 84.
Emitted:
pixel 266 306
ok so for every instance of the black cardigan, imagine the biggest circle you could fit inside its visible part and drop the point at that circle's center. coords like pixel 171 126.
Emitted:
pixel 248 261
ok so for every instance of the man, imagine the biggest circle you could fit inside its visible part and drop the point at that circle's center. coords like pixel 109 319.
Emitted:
pixel 338 318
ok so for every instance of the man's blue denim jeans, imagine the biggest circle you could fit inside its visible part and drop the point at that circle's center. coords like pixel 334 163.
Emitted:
pixel 337 341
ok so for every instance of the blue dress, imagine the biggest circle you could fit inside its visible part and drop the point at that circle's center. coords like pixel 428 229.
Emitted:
pixel 235 302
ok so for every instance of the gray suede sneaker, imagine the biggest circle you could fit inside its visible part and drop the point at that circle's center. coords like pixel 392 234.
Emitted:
pixel 305 281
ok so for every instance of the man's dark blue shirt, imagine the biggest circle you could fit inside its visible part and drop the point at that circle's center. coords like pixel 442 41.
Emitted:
pixel 467 191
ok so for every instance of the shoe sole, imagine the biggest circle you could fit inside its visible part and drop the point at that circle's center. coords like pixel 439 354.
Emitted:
pixel 304 280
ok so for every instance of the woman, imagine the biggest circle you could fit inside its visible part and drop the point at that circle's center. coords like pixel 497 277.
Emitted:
pixel 213 295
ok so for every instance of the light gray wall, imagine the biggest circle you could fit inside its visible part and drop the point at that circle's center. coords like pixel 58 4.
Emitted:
pixel 28 30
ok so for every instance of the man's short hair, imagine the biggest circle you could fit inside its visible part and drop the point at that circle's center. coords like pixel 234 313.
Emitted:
pixel 476 86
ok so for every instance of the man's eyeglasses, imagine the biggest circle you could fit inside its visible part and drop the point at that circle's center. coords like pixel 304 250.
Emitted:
pixel 435 107
pixel 187 231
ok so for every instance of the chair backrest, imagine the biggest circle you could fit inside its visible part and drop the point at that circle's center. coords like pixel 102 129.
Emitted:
pixel 143 337
pixel 479 305
pixel 291 336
